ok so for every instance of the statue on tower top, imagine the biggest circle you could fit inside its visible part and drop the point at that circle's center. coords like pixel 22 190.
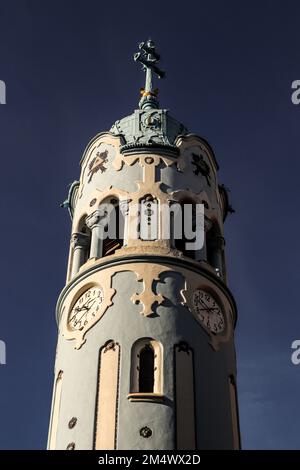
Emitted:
pixel 148 58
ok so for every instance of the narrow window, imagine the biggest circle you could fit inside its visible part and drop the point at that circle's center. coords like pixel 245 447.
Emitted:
pixel 185 223
pixel 114 230
pixel 215 250
pixel 146 372
pixel 185 397
pixel 146 369
pixel 234 413
pixel 86 242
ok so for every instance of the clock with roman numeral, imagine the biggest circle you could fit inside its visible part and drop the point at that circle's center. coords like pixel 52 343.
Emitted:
pixel 85 308
pixel 208 312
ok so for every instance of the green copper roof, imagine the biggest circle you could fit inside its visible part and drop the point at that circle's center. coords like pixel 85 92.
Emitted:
pixel 150 127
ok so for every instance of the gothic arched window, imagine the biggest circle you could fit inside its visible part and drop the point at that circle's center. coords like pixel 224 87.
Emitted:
pixel 146 368
pixel 114 229
pixel 184 225
pixel 215 254
pixel 107 226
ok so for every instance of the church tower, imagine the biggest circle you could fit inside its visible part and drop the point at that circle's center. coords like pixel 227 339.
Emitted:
pixel 145 356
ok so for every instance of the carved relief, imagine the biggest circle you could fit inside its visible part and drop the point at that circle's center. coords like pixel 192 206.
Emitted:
pixel 97 163
pixel 148 273
pixel 145 432
pixel 102 150
pixel 106 150
pixel 148 297
pixel 201 167
pixel 193 143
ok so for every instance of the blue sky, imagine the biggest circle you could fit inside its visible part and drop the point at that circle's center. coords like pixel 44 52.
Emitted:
pixel 69 74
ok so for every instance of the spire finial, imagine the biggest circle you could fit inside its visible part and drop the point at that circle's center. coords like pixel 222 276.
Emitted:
pixel 148 58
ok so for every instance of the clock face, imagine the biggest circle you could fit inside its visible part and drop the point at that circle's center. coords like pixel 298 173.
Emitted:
pixel 208 311
pixel 85 308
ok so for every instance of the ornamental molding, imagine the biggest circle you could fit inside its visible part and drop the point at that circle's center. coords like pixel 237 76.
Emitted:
pixel 149 299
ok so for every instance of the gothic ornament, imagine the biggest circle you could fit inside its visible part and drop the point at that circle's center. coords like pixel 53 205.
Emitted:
pixel 145 432
pixel 183 346
pixel 97 163
pixel 201 167
pixel 148 297
pixel 109 346
pixel 71 446
pixel 72 423
pixel 102 149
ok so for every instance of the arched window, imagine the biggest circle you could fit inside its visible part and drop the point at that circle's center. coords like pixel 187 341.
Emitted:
pixel 146 369
pixel 114 227
pixel 86 232
pixel 184 224
pixel 146 374
pixel 215 245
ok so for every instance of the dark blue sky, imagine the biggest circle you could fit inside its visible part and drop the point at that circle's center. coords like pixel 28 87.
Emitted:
pixel 69 74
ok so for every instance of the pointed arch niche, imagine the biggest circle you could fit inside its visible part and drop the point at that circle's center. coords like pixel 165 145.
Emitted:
pixel 146 374
pixel 55 411
pixel 107 397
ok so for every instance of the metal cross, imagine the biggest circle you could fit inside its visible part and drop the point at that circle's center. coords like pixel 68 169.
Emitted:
pixel 148 58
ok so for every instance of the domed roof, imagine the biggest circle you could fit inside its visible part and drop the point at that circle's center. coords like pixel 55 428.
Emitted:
pixel 148 128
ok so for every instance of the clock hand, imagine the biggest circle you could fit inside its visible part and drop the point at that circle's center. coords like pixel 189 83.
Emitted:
pixel 204 304
pixel 88 301
pixel 88 307
pixel 84 314
pixel 208 308
pixel 77 310
pixel 79 319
